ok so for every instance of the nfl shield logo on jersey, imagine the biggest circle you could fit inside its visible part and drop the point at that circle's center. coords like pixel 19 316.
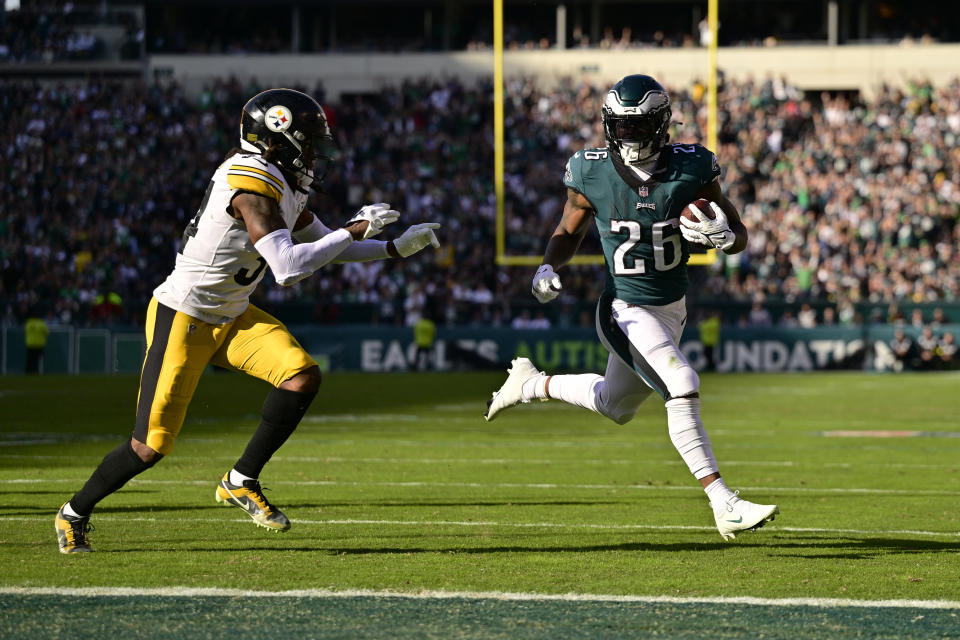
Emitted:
pixel 278 118
pixel 643 192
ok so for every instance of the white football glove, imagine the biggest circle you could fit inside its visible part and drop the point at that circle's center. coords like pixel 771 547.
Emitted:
pixel 711 233
pixel 416 238
pixel 378 215
pixel 546 284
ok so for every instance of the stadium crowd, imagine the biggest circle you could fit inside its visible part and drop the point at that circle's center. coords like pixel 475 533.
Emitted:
pixel 847 201
pixel 68 33
pixel 44 37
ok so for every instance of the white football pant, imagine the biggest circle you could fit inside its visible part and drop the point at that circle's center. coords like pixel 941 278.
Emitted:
pixel 644 357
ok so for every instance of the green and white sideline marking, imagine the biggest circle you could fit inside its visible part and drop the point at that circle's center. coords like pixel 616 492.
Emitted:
pixel 127 592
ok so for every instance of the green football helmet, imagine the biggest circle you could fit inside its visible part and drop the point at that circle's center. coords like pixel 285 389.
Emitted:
pixel 636 118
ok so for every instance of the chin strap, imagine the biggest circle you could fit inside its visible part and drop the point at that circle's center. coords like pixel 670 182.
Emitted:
pixel 647 165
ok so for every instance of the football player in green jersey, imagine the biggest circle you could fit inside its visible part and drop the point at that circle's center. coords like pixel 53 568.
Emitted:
pixel 634 191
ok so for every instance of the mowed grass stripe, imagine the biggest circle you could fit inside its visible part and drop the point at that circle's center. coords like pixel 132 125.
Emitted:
pixel 504 461
pixel 427 594
pixel 515 485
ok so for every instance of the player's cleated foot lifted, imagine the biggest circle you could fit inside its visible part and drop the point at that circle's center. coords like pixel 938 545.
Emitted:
pixel 511 393
pixel 249 497
pixel 736 515
pixel 72 532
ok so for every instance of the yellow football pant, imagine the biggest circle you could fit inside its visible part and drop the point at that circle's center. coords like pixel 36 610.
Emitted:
pixel 179 348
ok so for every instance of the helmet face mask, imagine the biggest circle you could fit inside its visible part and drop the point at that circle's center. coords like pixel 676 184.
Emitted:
pixel 292 128
pixel 636 118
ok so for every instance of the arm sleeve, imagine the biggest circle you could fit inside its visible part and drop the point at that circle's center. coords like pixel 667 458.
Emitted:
pixel 293 262
pixel 363 251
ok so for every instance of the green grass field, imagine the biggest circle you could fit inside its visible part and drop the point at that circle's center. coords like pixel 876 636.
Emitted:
pixel 399 490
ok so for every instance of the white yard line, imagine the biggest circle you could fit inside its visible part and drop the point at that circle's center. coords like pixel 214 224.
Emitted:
pixel 192 592
pixel 518 525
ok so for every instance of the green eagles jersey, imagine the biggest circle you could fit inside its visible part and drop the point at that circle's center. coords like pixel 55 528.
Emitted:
pixel 639 222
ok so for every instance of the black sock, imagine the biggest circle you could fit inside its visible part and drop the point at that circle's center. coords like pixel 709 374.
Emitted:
pixel 282 412
pixel 116 469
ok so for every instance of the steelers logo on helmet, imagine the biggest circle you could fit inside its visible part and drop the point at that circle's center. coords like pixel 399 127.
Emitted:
pixel 278 118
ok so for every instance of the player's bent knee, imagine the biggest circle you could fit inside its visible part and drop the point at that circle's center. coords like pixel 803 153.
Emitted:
pixel 621 413
pixel 622 418
pixel 148 455
pixel 685 383
pixel 307 381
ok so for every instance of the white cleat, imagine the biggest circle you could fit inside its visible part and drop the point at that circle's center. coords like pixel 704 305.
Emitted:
pixel 511 393
pixel 736 515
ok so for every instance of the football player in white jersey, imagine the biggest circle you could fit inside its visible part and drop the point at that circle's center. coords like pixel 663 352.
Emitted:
pixel 252 216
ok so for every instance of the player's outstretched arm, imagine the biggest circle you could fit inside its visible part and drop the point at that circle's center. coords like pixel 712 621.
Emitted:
pixel 714 192
pixel 271 238
pixel 563 245
pixel 416 238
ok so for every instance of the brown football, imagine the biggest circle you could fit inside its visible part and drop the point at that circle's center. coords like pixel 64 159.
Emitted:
pixel 703 205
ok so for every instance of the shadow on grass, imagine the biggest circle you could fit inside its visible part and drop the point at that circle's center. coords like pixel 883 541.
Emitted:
pixel 865 548
pixel 341 551
pixel 861 549
pixel 28 511
pixel 60 492
pixel 453 503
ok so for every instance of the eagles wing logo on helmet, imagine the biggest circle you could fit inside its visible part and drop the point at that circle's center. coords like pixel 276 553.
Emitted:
pixel 636 118
pixel 278 118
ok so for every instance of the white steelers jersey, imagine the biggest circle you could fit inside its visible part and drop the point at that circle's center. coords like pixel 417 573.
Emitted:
pixel 218 267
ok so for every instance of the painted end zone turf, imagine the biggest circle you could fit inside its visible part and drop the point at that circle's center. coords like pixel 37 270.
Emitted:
pixel 189 613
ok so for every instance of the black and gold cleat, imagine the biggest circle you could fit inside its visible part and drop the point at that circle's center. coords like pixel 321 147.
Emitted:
pixel 72 532
pixel 249 497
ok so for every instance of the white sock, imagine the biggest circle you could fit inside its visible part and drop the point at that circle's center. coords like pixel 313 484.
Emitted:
pixel 579 390
pixel 68 511
pixel 689 437
pixel 534 388
pixel 237 478
pixel 718 492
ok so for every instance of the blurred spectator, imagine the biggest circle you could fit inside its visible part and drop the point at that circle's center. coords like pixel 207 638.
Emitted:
pixel 895 316
pixel 807 317
pixel 847 313
pixel 916 319
pixel 759 316
pixel 829 317
pixel 903 350
pixel 787 319
pixel 522 321
pixel 35 336
pixel 539 321
pixel 709 328
pixel 947 351
pixel 927 345
pixel 424 334
pixel 939 319
pixel 107 308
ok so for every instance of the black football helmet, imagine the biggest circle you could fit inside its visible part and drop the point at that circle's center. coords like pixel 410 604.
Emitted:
pixel 294 126
pixel 636 118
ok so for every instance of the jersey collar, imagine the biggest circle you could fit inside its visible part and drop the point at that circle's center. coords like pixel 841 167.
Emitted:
pixel 630 176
